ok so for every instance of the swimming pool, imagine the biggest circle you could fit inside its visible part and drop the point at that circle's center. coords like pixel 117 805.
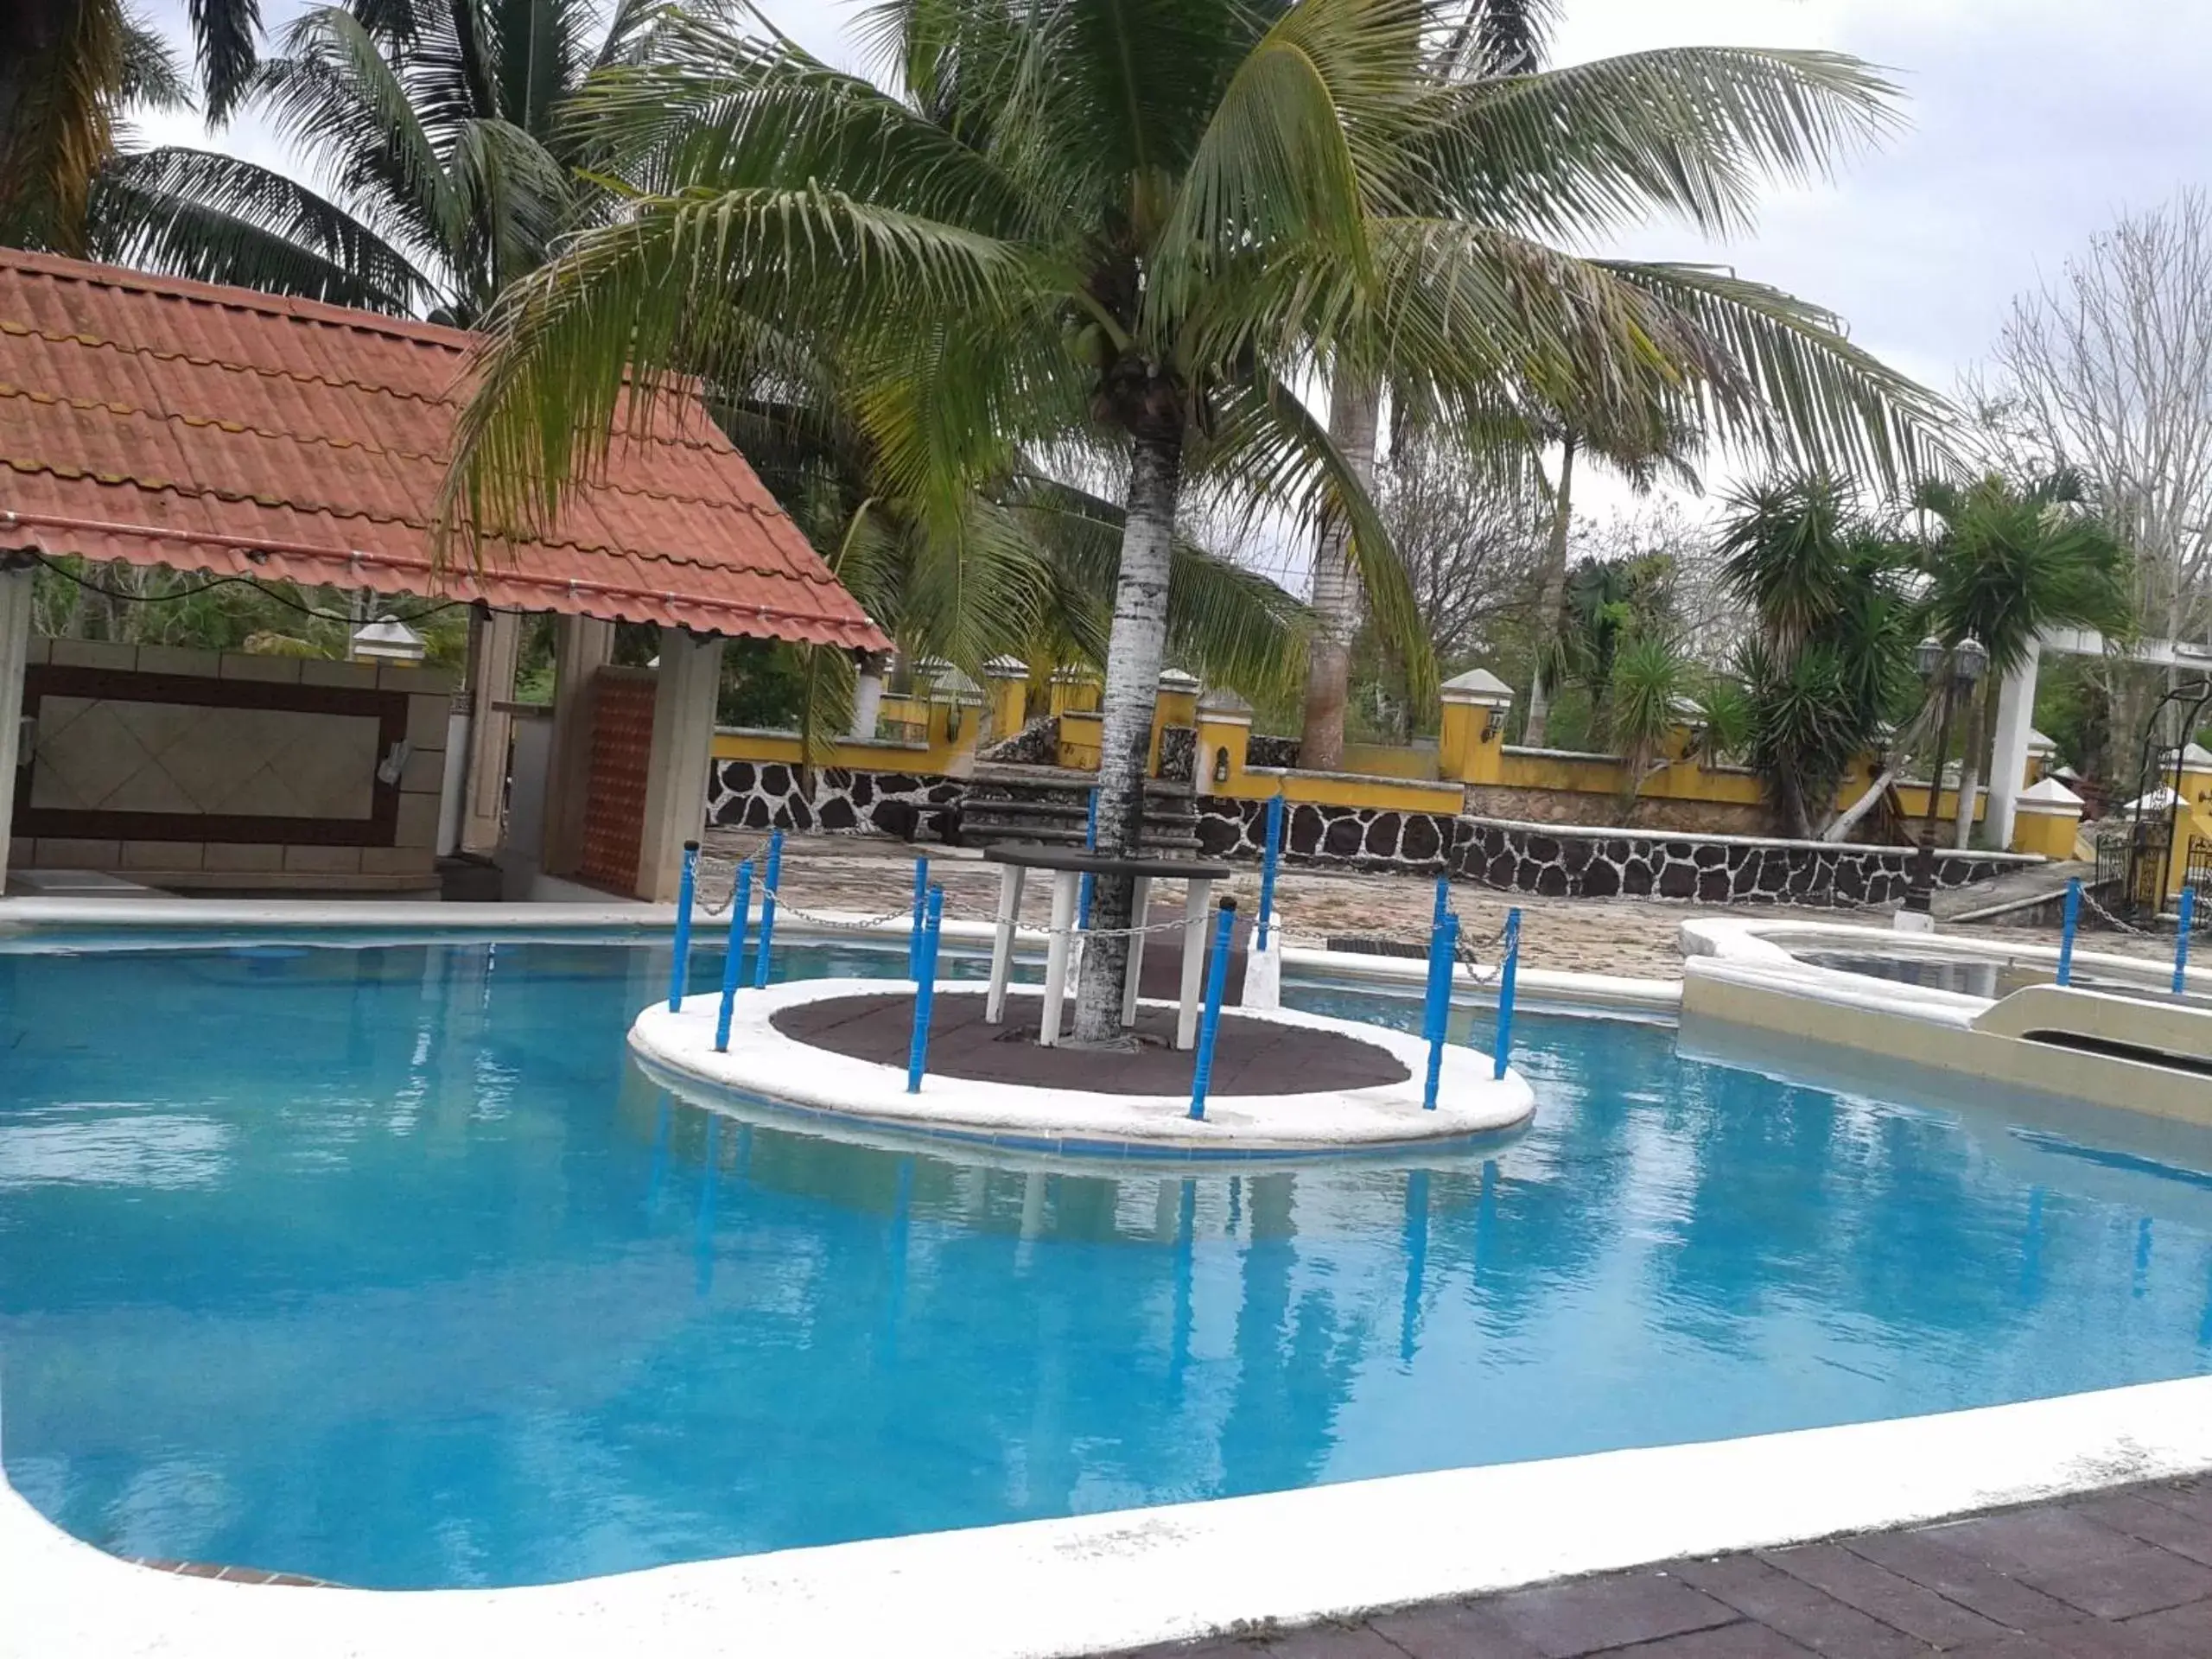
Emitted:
pixel 384 1265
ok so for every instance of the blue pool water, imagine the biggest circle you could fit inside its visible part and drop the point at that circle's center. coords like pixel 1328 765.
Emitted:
pixel 382 1265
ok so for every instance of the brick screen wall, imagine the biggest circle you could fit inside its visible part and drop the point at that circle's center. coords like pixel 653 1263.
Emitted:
pixel 621 751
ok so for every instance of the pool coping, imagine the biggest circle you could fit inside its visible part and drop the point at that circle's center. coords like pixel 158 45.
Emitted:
pixel 763 1062
pixel 1100 1583
pixel 1546 990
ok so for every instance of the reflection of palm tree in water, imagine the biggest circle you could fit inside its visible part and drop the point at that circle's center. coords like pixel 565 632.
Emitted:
pixel 1296 1357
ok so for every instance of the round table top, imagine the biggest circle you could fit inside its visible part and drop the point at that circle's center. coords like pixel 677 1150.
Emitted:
pixel 1034 856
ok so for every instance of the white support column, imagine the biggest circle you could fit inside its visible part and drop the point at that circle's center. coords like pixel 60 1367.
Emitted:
pixel 582 647
pixel 868 698
pixel 2008 770
pixel 1197 913
pixel 1139 916
pixel 491 682
pixel 675 779
pixel 1009 918
pixel 1064 883
pixel 15 658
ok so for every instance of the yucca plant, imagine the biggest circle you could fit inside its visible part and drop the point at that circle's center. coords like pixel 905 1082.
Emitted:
pixel 1830 668
pixel 1127 227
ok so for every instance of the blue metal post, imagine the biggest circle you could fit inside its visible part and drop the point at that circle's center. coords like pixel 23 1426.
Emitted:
pixel 769 885
pixel 918 1051
pixel 1443 904
pixel 2181 939
pixel 2073 926
pixel 1089 845
pixel 1270 860
pixel 680 970
pixel 740 901
pixel 1210 1021
pixel 914 935
pixel 1436 1015
pixel 1507 973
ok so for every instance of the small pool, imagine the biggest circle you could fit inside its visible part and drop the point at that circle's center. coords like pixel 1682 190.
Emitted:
pixel 384 1265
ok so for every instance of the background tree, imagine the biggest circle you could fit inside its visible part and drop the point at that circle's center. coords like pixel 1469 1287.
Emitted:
pixel 1606 153
pixel 69 72
pixel 2008 562
pixel 2106 372
pixel 1469 545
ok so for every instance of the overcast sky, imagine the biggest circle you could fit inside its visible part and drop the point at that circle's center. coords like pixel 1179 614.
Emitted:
pixel 2032 123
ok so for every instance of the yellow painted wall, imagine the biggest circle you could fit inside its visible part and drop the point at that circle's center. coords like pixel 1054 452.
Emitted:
pixel 1391 760
pixel 1080 732
pixel 1913 798
pixel 2050 833
pixel 948 743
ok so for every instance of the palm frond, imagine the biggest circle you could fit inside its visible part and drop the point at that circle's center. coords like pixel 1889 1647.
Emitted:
pixel 1272 457
pixel 1690 130
pixel 1801 388
pixel 227 32
pixel 334 95
pixel 588 345
pixel 197 213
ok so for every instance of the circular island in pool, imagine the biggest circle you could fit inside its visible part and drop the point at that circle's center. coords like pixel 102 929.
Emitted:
pixel 1284 1084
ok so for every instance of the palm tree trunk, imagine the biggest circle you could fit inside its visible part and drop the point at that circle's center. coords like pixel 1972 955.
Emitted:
pixel 1133 658
pixel 1970 754
pixel 1553 596
pixel 1354 411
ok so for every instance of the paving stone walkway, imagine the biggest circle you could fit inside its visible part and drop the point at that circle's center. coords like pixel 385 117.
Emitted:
pixel 1636 937
pixel 2122 1574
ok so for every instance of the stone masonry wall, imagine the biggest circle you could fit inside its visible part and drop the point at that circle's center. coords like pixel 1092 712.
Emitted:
pixel 1551 860
pixel 765 795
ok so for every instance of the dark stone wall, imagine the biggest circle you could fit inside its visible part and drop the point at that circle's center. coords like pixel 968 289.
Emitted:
pixel 1362 837
pixel 1559 861
pixel 1036 744
pixel 1179 753
pixel 1271 752
pixel 765 795
pixel 1529 858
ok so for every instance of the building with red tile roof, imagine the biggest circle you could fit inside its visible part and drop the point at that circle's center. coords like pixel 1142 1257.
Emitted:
pixel 173 422
pixel 212 429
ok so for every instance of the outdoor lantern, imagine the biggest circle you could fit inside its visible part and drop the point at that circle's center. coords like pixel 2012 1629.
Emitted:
pixel 1493 720
pixel 1973 659
pixel 1220 766
pixel 387 639
pixel 1927 656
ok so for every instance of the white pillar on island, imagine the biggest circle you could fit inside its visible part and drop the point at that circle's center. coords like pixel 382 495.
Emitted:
pixel 14 658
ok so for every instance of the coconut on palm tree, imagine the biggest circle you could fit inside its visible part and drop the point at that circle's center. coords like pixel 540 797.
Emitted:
pixel 1122 230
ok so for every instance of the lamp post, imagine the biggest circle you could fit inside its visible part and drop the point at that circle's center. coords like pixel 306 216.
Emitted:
pixel 1967 660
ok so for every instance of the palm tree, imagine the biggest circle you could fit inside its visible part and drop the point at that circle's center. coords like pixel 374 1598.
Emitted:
pixel 1638 426
pixel 1122 230
pixel 2007 562
pixel 441 126
pixel 1829 668
pixel 69 69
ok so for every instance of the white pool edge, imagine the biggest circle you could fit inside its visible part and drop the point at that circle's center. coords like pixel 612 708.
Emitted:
pixel 1095 1584
pixel 1547 989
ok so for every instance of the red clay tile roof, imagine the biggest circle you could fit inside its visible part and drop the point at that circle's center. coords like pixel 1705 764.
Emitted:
pixel 173 422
